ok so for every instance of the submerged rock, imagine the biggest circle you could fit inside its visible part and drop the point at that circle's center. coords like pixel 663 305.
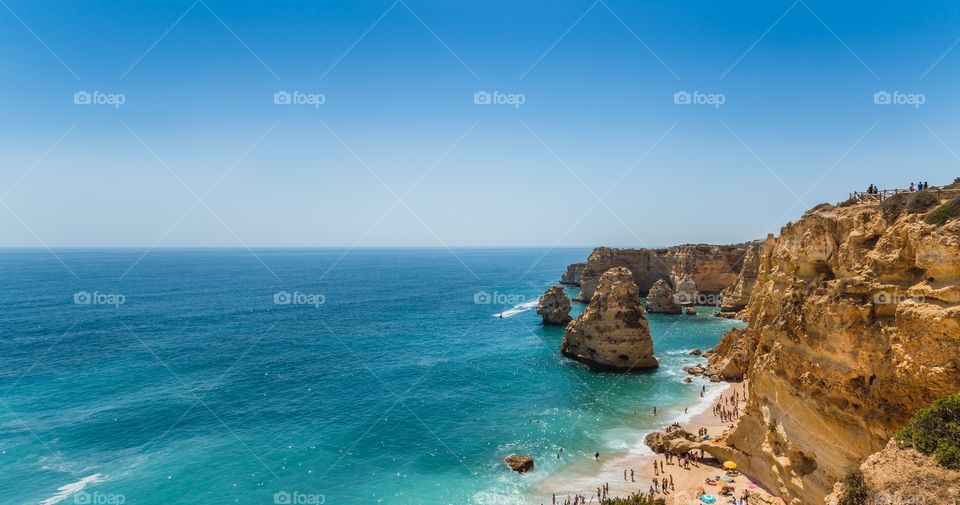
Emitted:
pixel 554 307
pixel 661 298
pixel 613 332
pixel 519 462
pixel 690 311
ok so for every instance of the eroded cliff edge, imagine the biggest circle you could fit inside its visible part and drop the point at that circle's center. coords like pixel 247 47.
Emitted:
pixel 692 269
pixel 853 325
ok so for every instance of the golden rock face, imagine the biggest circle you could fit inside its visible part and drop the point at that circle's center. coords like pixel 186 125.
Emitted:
pixel 853 325
pixel 692 269
pixel 612 333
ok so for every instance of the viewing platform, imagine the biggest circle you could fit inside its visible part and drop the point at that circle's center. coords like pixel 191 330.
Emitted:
pixel 883 194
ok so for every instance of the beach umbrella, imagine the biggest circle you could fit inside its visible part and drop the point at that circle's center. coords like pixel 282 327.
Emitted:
pixel 729 465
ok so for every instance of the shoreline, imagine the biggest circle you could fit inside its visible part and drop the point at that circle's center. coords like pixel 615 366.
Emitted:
pixel 585 476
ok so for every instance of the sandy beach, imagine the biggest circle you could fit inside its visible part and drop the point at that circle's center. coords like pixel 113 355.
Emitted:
pixel 585 478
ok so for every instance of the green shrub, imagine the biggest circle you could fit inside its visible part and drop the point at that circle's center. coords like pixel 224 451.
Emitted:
pixel 854 488
pixel 634 499
pixel 911 203
pixel 955 185
pixel 894 205
pixel 921 202
pixel 848 202
pixel 821 206
pixel 936 430
pixel 945 212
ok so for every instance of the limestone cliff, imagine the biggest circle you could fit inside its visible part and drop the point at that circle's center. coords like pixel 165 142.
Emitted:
pixel 692 269
pixel 736 297
pixel 573 274
pixel 612 333
pixel 903 476
pixel 853 325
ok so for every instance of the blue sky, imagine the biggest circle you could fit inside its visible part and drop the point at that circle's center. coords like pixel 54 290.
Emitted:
pixel 598 153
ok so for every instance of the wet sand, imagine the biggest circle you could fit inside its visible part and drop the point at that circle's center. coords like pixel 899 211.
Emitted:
pixel 585 477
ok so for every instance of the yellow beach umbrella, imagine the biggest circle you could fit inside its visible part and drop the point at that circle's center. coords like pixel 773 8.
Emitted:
pixel 729 465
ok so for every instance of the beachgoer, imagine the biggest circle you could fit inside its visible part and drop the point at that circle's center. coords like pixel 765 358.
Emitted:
pixel 912 187
pixel 596 456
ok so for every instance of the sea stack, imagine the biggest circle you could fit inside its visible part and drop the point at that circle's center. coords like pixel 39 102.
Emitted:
pixel 661 298
pixel 554 306
pixel 613 332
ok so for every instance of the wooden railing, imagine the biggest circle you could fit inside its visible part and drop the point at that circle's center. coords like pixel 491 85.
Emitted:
pixel 883 194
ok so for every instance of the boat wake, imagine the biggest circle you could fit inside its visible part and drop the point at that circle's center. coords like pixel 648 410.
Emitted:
pixel 518 309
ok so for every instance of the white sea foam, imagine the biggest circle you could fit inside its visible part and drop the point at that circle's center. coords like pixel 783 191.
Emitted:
pixel 518 309
pixel 66 490
pixel 700 407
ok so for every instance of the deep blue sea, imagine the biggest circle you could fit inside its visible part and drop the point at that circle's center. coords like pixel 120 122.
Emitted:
pixel 306 376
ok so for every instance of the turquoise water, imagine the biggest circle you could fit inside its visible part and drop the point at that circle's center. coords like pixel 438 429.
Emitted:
pixel 387 379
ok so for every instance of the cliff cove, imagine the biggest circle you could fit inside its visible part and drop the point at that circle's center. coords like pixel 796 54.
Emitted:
pixel 852 326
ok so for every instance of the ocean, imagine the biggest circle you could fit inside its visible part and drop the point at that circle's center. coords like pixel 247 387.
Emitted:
pixel 307 376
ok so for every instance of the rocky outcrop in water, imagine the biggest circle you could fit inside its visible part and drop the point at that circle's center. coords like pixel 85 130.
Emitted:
pixel 612 333
pixel 853 325
pixel 660 298
pixel 693 270
pixel 554 307
pixel 572 275
pixel 519 462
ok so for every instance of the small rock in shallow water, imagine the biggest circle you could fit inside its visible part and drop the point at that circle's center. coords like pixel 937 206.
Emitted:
pixel 519 462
